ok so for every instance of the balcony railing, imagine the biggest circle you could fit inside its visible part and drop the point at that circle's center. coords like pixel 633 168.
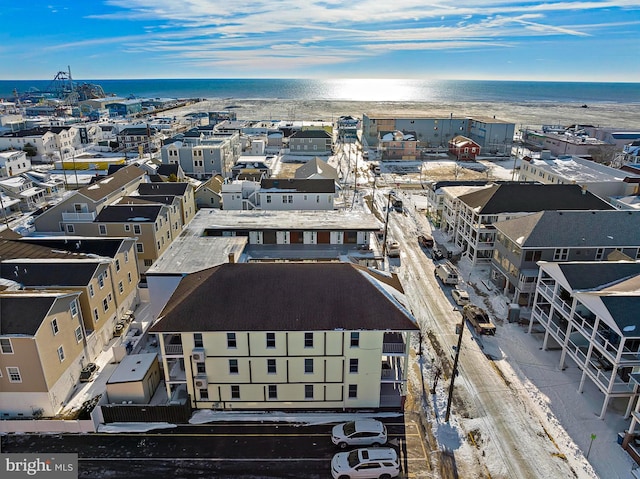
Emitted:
pixel 393 343
pixel 173 350
pixel 78 216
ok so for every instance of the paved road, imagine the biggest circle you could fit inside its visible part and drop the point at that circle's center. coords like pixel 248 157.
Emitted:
pixel 233 450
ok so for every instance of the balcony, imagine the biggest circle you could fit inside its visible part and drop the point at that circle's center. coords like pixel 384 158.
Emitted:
pixel 78 217
pixel 393 343
pixel 173 345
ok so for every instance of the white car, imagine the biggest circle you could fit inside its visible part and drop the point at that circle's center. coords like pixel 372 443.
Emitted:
pixel 369 463
pixel 460 297
pixel 364 432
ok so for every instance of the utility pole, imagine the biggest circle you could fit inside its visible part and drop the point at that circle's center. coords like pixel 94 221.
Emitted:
pixel 460 330
pixel 386 227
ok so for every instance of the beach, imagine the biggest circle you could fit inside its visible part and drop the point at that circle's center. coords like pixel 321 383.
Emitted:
pixel 530 114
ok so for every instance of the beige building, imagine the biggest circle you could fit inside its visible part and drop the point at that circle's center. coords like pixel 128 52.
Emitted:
pixel 321 336
pixel 135 379
pixel 84 204
pixel 42 350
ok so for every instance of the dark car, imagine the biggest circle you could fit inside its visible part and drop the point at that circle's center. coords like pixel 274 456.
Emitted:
pixel 437 254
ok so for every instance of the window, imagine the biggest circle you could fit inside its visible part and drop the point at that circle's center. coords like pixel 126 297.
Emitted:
pixel 233 366
pixel 197 340
pixel 271 340
pixel 79 334
pixel 231 340
pixel 105 304
pixel 599 254
pixel 271 366
pixel 61 353
pixel 73 306
pixel 126 256
pixel 120 287
pixel 308 391
pixel 235 392
pixel 200 368
pixel 127 228
pixel 129 277
pixel 268 198
pixel 70 229
pixel 117 265
pixel 91 291
pixel 102 229
pixel 272 391
pixel 353 365
pixel 533 256
pixel 353 391
pixel 100 281
pixel 5 346
pixel 54 326
pixel 308 340
pixel 204 394
pixel 96 315
pixel 14 375
pixel 148 262
pixel 308 366
pixel 136 229
pixel 355 340
pixel 561 254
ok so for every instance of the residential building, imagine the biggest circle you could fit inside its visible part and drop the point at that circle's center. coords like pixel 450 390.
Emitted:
pixel 140 138
pixel 435 192
pixel 589 311
pixel 21 188
pixel 573 141
pixel 398 145
pixel 311 142
pixel 473 227
pixel 42 345
pixel 317 169
pixel 279 194
pixel 48 142
pixel 554 236
pixel 493 135
pixel 209 193
pixel 84 204
pixel 183 191
pixel 249 165
pixel 13 162
pixel 341 342
pixel 600 180
pixel 463 148
pixel 123 108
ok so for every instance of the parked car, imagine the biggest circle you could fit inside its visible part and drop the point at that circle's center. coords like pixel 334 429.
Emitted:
pixel 364 432
pixel 447 273
pixel 368 463
pixel 425 241
pixel 393 249
pixel 437 254
pixel 460 296
pixel 479 319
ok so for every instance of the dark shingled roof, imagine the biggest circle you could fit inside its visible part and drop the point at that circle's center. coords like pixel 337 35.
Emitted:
pixel 107 247
pixel 299 185
pixel 49 273
pixel 147 199
pixel 129 213
pixel 624 311
pixel 518 198
pixel 166 188
pixel 24 314
pixel 13 249
pixel 168 169
pixel 589 276
pixel 311 134
pixel 281 297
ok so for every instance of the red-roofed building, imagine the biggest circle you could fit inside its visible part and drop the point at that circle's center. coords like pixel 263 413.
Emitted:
pixel 464 148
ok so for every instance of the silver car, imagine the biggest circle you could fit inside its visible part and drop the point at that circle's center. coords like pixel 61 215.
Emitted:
pixel 364 432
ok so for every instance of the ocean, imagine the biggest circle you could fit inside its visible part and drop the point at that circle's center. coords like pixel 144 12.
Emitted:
pixel 355 90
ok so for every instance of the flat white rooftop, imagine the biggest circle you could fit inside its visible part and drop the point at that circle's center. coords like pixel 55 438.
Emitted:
pixel 581 170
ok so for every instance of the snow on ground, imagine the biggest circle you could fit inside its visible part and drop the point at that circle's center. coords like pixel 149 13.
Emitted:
pixel 308 419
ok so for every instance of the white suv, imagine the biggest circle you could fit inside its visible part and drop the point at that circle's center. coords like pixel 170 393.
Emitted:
pixel 364 432
pixel 370 463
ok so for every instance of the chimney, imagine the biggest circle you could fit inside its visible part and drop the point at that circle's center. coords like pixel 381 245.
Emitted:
pixel 232 257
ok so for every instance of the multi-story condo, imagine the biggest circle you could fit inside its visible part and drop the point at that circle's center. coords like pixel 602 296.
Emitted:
pixel 322 336
pixel 13 163
pixel 182 191
pixel 589 310
pixel 311 142
pixel 479 210
pixel 558 236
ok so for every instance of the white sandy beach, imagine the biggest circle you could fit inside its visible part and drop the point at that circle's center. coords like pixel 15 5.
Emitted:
pixel 522 114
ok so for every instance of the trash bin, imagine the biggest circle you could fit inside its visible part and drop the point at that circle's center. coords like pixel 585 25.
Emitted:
pixel 514 313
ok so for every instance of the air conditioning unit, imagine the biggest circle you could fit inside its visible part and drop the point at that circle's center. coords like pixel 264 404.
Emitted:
pixel 198 355
pixel 201 382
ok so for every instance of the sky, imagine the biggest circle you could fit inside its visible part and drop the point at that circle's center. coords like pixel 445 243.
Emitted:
pixel 581 40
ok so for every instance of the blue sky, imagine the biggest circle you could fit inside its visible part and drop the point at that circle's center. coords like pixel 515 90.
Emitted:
pixel 578 40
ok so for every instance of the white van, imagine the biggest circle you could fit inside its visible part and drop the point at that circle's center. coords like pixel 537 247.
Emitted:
pixel 446 273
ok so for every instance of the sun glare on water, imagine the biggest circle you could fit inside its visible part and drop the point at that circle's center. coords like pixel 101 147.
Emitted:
pixel 377 89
